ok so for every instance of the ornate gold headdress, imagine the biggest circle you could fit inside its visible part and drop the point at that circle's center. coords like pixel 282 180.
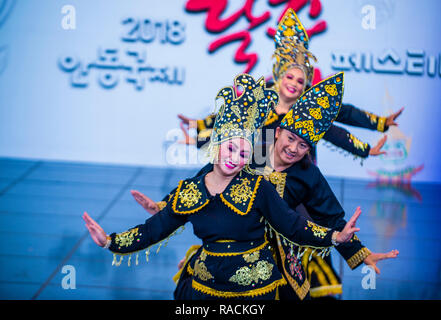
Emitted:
pixel 241 116
pixel 292 43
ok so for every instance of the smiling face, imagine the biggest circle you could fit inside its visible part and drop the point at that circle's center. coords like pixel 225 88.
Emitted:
pixel 289 148
pixel 292 84
pixel 233 155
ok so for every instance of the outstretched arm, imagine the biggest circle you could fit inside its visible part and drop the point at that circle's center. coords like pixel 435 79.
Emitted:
pixel 359 118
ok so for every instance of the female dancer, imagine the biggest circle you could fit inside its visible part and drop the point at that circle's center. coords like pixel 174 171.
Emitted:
pixel 298 181
pixel 230 209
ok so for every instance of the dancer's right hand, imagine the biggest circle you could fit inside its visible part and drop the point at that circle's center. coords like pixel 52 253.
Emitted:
pixel 376 151
pixel 191 123
pixel 96 232
pixel 147 203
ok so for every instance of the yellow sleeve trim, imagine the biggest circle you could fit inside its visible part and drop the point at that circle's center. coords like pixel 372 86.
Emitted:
pixel 250 203
pixel 381 124
pixel 358 258
pixel 228 294
pixel 326 291
pixel 163 242
pixel 161 204
pixel 200 125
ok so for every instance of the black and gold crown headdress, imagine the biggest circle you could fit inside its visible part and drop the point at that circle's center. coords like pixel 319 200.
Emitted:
pixel 292 43
pixel 241 116
pixel 316 109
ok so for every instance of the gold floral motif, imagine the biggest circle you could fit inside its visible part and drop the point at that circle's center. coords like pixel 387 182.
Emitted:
pixel 316 113
pixel 307 124
pixel 251 118
pixel 279 180
pixel 203 256
pixel 331 89
pixel 258 93
pixel 357 143
pixel 125 239
pixel 227 127
pixel 241 192
pixel 245 276
pixel 318 231
pixel 201 271
pixel 251 257
pixel 324 102
pixel 190 195
pixel 317 137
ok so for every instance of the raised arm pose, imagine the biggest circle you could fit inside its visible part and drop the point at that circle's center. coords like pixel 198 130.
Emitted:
pixel 298 181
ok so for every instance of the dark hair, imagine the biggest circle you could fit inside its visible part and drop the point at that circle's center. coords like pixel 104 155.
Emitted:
pixel 306 161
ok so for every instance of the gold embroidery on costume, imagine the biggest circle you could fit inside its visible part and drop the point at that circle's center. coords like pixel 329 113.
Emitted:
pixel 358 257
pixel 126 238
pixel 357 143
pixel 324 102
pixel 279 180
pixel 318 231
pixel 251 118
pixel 316 113
pixel 190 195
pixel 372 117
pixel 245 276
pixel 229 294
pixel 161 205
pixel 251 257
pixel 258 93
pixel 201 271
pixel 272 117
pixel 381 124
pixel 331 89
pixel 241 192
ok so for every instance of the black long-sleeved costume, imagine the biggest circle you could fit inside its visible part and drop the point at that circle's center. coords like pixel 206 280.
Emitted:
pixel 307 186
pixel 235 260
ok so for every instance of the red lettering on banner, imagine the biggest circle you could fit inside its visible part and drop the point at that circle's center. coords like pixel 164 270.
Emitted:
pixel 241 56
pixel 215 24
pixel 215 8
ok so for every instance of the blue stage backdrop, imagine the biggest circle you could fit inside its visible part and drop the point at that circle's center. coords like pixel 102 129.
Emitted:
pixel 103 80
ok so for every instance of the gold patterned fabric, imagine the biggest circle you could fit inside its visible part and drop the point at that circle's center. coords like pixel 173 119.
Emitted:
pixel 125 239
pixel 189 197
pixel 248 272
pixel 315 110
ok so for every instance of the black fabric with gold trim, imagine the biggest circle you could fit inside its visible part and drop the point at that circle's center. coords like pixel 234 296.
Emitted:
pixel 238 262
pixel 307 186
pixel 316 109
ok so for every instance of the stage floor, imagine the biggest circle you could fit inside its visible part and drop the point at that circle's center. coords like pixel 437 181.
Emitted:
pixel 45 245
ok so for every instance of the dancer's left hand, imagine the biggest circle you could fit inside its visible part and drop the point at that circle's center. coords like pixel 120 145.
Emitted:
pixel 348 231
pixel 390 121
pixel 376 151
pixel 372 259
pixel 148 204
